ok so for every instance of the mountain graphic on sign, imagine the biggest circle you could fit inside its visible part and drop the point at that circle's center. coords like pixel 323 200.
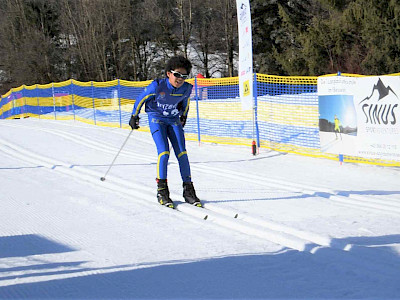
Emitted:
pixel 382 90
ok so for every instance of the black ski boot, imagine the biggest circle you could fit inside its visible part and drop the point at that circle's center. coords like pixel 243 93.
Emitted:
pixel 190 194
pixel 163 193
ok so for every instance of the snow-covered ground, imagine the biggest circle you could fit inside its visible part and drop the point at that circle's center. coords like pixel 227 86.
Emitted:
pixel 274 226
pixel 339 143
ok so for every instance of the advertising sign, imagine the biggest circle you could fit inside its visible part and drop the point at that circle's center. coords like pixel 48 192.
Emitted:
pixel 360 116
pixel 245 54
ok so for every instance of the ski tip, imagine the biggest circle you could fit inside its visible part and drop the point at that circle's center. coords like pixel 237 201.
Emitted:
pixel 205 217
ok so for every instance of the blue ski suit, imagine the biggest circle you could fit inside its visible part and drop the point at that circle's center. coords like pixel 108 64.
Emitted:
pixel 164 104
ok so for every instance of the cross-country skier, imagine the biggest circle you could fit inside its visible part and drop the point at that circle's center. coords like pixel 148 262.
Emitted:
pixel 337 127
pixel 167 104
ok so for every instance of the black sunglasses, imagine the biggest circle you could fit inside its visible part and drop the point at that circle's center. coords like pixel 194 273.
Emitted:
pixel 180 75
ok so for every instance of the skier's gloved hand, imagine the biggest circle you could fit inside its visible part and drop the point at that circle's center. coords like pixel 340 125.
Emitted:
pixel 134 122
pixel 183 120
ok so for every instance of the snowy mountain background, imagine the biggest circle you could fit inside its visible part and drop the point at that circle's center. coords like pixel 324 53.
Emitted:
pixel 274 226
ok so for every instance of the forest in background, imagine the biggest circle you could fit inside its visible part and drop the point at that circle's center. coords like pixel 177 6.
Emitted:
pixel 44 41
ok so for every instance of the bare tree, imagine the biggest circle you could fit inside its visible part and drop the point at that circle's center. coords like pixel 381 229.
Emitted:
pixel 44 41
pixel 223 28
pixel 185 14
pixel 209 37
pixel 96 32
pixel 230 27
pixel 144 28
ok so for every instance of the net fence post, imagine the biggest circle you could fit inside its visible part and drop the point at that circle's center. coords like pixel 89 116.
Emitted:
pixel 23 111
pixel 38 102
pixel 13 102
pixel 94 106
pixel 54 101
pixel 1 105
pixel 197 109
pixel 73 99
pixel 119 104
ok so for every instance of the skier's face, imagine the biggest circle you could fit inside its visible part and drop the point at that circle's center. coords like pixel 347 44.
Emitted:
pixel 177 77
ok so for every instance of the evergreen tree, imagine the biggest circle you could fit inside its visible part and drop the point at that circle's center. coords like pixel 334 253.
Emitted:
pixel 295 18
pixel 266 34
pixel 277 25
pixel 54 40
pixel 379 22
pixel 360 36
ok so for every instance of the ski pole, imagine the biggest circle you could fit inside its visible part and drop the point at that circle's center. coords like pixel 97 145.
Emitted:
pixel 104 177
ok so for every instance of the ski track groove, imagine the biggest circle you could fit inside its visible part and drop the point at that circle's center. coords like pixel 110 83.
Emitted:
pixel 360 201
pixel 299 237
pixel 144 193
pixel 273 183
pixel 274 232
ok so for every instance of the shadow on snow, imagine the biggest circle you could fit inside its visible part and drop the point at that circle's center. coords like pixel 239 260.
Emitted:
pixel 285 274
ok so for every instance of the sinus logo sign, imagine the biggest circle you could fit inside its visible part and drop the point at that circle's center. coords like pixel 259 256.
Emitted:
pixel 381 106
pixel 378 109
pixel 360 116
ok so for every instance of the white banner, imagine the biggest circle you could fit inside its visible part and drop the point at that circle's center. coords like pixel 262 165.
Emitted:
pixel 360 116
pixel 245 54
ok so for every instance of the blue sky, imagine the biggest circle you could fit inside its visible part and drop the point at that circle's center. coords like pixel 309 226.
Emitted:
pixel 340 105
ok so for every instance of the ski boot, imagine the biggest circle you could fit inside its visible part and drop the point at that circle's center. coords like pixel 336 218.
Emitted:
pixel 190 195
pixel 163 193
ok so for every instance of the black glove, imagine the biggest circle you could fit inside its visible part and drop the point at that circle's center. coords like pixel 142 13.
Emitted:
pixel 134 122
pixel 183 120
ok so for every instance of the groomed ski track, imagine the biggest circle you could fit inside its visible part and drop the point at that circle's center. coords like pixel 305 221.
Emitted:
pixel 214 213
pixel 210 212
pixel 245 223
pixel 277 233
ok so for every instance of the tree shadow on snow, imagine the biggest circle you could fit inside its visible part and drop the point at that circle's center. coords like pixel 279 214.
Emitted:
pixel 29 244
pixel 288 274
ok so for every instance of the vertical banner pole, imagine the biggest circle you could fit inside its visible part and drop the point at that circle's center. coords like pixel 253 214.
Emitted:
pixel 246 61
pixel 256 109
